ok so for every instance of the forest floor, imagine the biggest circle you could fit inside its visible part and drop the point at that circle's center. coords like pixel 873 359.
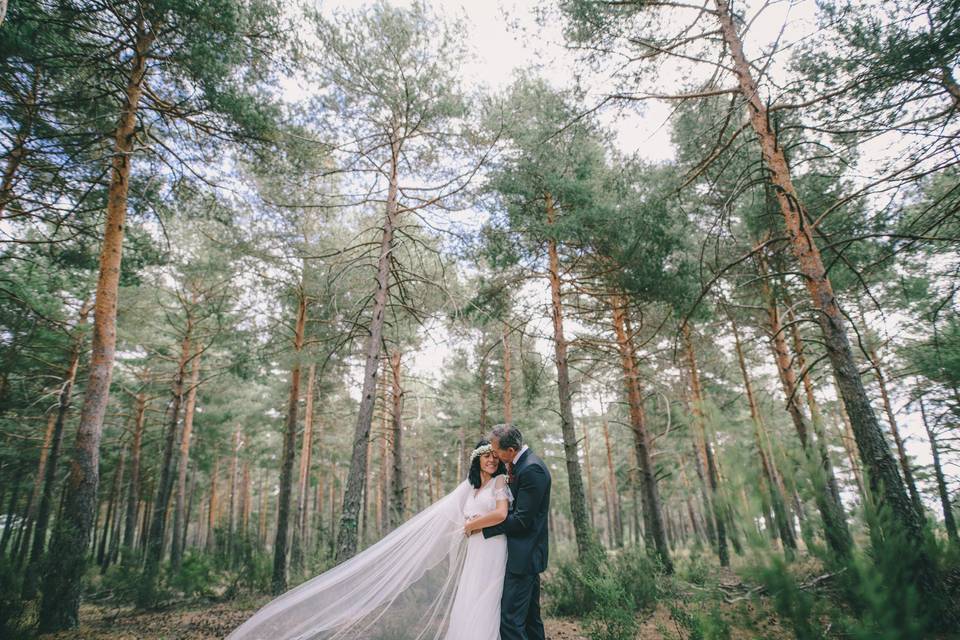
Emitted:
pixel 726 600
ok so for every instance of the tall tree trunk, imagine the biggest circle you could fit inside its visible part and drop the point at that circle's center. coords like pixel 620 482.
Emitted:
pixel 45 506
pixel 398 499
pixel 948 519
pixel 886 485
pixel 588 467
pixel 507 387
pixel 827 498
pixel 347 536
pixel 776 497
pixel 133 496
pixel 179 520
pixel 484 393
pixel 303 477
pixel 895 431
pixel 60 605
pixel 581 522
pixel 34 500
pixel 279 581
pixel 212 510
pixel 158 523
pixel 642 443
pixel 815 417
pixel 103 559
pixel 701 433
pixel 614 490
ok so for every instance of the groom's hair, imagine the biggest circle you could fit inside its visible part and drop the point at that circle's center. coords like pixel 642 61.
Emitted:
pixel 508 436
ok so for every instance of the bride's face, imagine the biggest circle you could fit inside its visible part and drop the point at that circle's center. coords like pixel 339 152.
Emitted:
pixel 489 462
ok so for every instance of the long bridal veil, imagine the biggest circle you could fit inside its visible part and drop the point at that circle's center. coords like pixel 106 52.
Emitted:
pixel 401 588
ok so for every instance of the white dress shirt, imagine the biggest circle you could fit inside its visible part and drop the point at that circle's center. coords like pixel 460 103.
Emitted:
pixel 519 453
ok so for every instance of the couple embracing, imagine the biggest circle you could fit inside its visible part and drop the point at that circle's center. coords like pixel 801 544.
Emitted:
pixel 465 568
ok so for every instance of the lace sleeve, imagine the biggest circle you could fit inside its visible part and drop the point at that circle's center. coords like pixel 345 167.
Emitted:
pixel 501 491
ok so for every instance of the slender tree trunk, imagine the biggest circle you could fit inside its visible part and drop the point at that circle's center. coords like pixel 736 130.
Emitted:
pixel 103 559
pixel 776 497
pixel 484 393
pixel 589 470
pixel 60 605
pixel 50 465
pixel 398 498
pixel 614 490
pixel 347 536
pixel 179 520
pixel 158 524
pixel 279 581
pixel 34 500
pixel 11 512
pixel 133 497
pixel 507 388
pixel 642 444
pixel 303 477
pixel 826 496
pixel 849 445
pixel 212 511
pixel 886 485
pixel 895 432
pixel 581 522
pixel 699 423
pixel 948 519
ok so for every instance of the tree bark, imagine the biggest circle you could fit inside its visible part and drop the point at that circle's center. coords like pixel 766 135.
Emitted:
pixel 777 500
pixel 886 485
pixel 826 495
pixel 948 519
pixel 133 495
pixel 895 431
pixel 60 605
pixel 581 522
pixel 303 477
pixel 614 490
pixel 212 509
pixel 347 536
pixel 103 559
pixel 158 524
pixel 398 498
pixel 179 520
pixel 699 423
pixel 642 444
pixel 507 387
pixel 279 581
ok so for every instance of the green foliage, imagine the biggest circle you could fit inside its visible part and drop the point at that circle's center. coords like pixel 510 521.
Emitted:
pixel 11 608
pixel 607 592
pixel 700 625
pixel 196 576
pixel 695 569
pixel 121 583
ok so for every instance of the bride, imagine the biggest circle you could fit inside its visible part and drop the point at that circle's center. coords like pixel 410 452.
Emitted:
pixel 429 579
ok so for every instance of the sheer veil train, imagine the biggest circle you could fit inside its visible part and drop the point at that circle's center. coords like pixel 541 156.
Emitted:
pixel 401 588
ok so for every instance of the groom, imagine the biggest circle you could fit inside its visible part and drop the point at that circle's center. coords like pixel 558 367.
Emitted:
pixel 526 531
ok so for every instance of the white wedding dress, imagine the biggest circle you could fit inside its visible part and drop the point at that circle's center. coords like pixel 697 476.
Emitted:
pixel 423 581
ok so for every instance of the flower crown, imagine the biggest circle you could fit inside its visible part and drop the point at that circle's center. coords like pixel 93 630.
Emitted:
pixel 479 451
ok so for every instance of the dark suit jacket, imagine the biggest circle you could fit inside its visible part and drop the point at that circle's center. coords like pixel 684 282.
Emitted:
pixel 526 523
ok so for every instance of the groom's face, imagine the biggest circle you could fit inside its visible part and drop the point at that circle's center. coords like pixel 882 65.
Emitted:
pixel 505 455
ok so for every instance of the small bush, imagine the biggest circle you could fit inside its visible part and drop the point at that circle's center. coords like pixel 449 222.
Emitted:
pixel 11 608
pixel 696 570
pixel 120 583
pixel 614 616
pixel 640 575
pixel 196 576
pixel 706 625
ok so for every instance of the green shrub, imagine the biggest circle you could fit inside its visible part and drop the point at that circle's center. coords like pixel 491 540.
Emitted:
pixel 196 576
pixel 121 583
pixel 696 569
pixel 700 625
pixel 641 577
pixel 11 607
pixel 614 616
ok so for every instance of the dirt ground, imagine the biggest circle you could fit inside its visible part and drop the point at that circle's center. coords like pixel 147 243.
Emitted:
pixel 202 622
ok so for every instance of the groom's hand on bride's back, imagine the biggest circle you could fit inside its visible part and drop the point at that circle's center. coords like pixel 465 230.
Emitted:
pixel 531 489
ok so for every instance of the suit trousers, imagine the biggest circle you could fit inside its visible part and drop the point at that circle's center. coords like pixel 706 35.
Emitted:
pixel 520 608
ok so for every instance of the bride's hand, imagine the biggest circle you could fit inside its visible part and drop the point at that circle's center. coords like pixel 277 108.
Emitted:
pixel 468 527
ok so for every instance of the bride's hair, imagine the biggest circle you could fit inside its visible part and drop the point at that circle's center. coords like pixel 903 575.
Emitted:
pixel 474 474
